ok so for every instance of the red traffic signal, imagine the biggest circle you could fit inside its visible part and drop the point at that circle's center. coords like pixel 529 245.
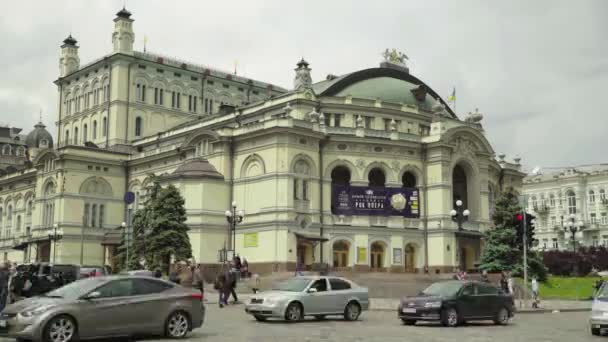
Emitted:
pixel 519 217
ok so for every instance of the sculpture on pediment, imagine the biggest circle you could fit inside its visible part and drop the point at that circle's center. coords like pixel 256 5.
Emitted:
pixel 395 165
pixel 475 117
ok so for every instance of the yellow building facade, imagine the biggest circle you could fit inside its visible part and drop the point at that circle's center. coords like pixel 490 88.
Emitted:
pixel 131 117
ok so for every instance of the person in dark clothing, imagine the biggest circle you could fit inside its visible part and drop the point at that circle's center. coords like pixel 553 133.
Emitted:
pixel 504 283
pixel 4 277
pixel 158 273
pixel 221 286
pixel 484 277
pixel 231 290
pixel 173 275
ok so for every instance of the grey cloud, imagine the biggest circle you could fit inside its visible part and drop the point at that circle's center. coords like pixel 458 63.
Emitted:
pixel 537 70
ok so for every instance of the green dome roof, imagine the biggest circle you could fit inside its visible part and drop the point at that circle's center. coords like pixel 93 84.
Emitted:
pixel 385 84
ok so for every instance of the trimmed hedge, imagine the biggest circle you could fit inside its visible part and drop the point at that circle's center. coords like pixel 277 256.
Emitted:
pixel 581 263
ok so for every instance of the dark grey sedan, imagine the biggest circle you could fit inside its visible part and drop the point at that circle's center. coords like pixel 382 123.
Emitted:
pixel 105 307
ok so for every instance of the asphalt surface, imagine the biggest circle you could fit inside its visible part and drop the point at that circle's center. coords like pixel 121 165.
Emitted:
pixel 233 324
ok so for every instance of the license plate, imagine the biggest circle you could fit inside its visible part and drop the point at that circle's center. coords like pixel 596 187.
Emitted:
pixel 408 310
pixel 2 324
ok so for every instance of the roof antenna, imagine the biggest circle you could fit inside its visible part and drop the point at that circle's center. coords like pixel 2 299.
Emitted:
pixel 40 115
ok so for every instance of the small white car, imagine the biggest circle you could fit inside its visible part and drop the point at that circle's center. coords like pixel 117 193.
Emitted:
pixel 599 311
pixel 298 297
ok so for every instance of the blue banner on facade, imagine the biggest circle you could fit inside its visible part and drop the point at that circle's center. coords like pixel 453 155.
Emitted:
pixel 367 201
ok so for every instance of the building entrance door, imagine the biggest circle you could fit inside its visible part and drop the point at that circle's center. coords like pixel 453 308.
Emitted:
pixel 377 256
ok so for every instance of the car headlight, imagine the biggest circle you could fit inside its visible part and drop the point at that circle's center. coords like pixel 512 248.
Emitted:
pixel 271 300
pixel 36 311
pixel 432 304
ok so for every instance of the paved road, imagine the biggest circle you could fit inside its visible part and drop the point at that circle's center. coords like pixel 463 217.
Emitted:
pixel 232 324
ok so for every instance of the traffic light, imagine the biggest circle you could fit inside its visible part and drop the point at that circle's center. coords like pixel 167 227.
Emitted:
pixel 530 225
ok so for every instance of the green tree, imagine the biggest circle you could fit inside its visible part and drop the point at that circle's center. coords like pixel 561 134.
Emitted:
pixel 502 251
pixel 159 231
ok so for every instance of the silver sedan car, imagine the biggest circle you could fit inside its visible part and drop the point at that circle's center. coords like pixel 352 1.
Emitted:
pixel 310 296
pixel 105 307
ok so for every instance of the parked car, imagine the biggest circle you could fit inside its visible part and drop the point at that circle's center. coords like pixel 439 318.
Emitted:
pixel 38 278
pixel 454 302
pixel 109 306
pixel 599 311
pixel 298 297
pixel 92 271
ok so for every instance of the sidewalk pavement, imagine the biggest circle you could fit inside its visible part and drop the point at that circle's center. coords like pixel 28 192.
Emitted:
pixel 391 304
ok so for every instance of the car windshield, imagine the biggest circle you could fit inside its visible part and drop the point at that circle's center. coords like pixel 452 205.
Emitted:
pixel 76 289
pixel 292 285
pixel 602 293
pixel 446 289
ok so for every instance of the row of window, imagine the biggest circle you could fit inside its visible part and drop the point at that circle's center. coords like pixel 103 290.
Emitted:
pixel 83 101
pixel 369 122
pixel 8 150
pixel 593 218
pixel 93 215
pixel 595 242
pixel 176 97
pixel 85 132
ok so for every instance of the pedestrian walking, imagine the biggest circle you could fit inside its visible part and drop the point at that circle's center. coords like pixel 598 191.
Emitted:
pixel 535 293
pixel 197 279
pixel 245 269
pixel 233 282
pixel 220 281
pixel 511 284
pixel 484 276
pixel 184 274
pixel 298 269
pixel 227 288
pixel 4 278
pixel 504 284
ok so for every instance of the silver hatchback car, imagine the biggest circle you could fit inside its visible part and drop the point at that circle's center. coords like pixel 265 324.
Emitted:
pixel 105 307
pixel 310 296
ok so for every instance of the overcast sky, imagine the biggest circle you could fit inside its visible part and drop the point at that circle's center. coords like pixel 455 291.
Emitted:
pixel 537 70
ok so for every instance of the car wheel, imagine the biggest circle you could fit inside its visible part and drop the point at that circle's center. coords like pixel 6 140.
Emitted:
pixel 178 325
pixel 352 311
pixel 502 316
pixel 260 318
pixel 408 321
pixel 294 312
pixel 320 317
pixel 449 317
pixel 595 331
pixel 60 329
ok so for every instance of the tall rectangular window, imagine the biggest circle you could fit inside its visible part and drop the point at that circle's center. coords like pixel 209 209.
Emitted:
pixel 85 216
pixel 369 123
pixel 141 92
pixel 175 100
pixel 327 119
pixel 593 219
pixel 192 103
pixel 104 127
pixel 101 213
pixel 93 215
pixel 305 190
pixel 337 120
pixel 604 219
pixel 296 193
pixel 158 96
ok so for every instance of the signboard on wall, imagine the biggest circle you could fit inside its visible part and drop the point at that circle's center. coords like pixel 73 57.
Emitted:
pixel 397 256
pixel 361 255
pixel 367 201
pixel 251 240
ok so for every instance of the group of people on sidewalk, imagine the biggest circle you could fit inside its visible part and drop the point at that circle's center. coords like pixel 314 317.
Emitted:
pixel 228 278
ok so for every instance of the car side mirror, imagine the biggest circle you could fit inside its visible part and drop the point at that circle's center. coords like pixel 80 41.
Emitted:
pixel 93 295
pixel 312 290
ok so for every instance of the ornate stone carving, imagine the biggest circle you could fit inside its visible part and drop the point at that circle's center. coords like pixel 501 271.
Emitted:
pixel 288 110
pixel 360 163
pixel 359 122
pixel 475 117
pixel 322 119
pixel 464 146
pixel 395 165
pixel 313 116
pixel 393 125
pixel 303 78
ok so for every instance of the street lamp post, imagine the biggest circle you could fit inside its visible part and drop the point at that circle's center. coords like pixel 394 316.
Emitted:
pixel 54 235
pixel 460 215
pixel 573 226
pixel 234 218
pixel 126 238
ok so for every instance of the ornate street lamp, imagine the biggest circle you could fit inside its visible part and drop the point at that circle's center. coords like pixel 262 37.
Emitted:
pixel 573 226
pixel 55 234
pixel 460 215
pixel 233 217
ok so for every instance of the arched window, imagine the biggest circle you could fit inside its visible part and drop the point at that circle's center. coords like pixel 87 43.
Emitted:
pixel 340 175
pixel 9 215
pixel 602 195
pixel 408 179
pixel 534 202
pixel 138 126
pixel 141 92
pixel 84 133
pixel 203 148
pixel 67 136
pixel 28 211
pixel 6 149
pixel 571 202
pixel 591 196
pixel 18 226
pixel 104 127
pixel 94 129
pixel 75 135
pixel 376 177
pixel 552 200
pixel 460 186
